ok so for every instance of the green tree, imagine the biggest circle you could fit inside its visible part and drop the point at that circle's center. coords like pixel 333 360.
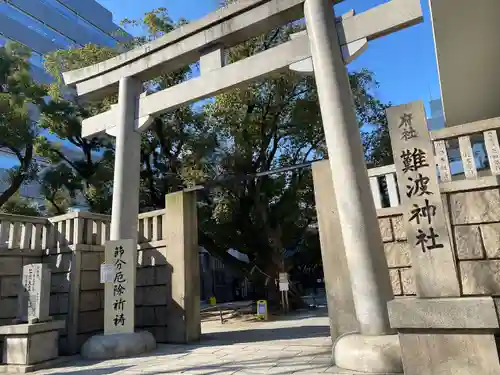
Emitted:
pixel 176 149
pixel 272 124
pixel 59 186
pixel 17 205
pixel 172 148
pixel 90 172
pixel 19 96
pixel 376 140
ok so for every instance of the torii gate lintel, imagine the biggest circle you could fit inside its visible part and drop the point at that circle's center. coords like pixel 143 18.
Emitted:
pixel 354 31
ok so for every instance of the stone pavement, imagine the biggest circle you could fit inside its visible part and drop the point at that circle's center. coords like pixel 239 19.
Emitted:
pixel 298 344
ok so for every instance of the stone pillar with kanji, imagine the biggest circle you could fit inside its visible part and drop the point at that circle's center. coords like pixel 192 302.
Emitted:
pixel 439 330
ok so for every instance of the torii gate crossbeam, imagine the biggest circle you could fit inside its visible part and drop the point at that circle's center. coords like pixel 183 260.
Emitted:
pixel 368 25
pixel 226 27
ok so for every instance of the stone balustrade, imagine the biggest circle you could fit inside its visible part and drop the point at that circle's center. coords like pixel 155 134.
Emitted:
pixel 150 226
pixel 383 185
pixel 23 232
pixel 464 137
pixel 77 228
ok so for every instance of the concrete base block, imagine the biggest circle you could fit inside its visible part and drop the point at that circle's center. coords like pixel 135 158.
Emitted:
pixel 368 354
pixel 340 371
pixel 25 345
pixel 118 345
pixel 23 369
pixel 449 353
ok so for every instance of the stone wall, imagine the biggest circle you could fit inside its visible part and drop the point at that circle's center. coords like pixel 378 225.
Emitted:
pixel 153 291
pixel 11 269
pixel 61 262
pixel 397 253
pixel 475 220
pixel 151 298
pixel 91 295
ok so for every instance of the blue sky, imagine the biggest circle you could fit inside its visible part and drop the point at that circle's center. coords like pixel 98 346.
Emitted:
pixel 404 63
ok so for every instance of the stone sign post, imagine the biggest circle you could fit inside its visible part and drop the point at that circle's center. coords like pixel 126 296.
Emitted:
pixel 119 306
pixel 34 298
pixel 428 237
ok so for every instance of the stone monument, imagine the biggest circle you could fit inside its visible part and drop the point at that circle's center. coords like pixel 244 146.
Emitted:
pixel 33 300
pixel 33 342
pixel 119 290
pixel 118 276
pixel 423 208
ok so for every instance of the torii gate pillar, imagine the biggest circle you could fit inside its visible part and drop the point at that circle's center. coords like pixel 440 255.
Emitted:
pixel 127 170
pixel 360 230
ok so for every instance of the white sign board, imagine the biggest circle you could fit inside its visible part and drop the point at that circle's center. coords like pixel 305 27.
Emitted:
pixel 283 277
pixel 284 287
pixel 107 273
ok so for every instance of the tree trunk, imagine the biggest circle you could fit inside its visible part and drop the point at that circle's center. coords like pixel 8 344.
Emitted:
pixel 19 177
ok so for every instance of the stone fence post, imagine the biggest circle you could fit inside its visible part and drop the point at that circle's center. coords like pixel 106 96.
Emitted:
pixel 180 229
pixel 341 309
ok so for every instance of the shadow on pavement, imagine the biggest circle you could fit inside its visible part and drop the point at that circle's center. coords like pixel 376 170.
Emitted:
pixel 257 335
pixel 98 371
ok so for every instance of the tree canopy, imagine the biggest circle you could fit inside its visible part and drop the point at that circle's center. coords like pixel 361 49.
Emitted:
pixel 19 98
pixel 273 124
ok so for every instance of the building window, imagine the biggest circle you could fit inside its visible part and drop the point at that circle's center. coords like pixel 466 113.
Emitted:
pixel 74 17
pixel 36 58
pixel 35 25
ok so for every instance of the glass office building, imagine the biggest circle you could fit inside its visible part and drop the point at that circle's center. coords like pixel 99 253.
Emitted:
pixel 48 25
pixel 45 26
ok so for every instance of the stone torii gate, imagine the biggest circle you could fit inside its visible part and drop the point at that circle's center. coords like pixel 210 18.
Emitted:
pixel 328 43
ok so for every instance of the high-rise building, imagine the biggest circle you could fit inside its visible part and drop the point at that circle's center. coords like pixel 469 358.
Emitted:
pixel 48 25
pixel 45 26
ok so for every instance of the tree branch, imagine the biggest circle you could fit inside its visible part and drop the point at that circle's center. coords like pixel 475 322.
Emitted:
pixel 20 176
pixel 62 156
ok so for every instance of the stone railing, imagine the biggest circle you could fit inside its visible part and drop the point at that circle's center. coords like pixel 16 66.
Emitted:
pixel 463 137
pixel 383 179
pixel 23 232
pixel 150 227
pixel 383 182
pixel 79 228
pixel 76 228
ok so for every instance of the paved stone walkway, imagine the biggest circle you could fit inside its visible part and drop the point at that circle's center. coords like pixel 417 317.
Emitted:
pixel 299 344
